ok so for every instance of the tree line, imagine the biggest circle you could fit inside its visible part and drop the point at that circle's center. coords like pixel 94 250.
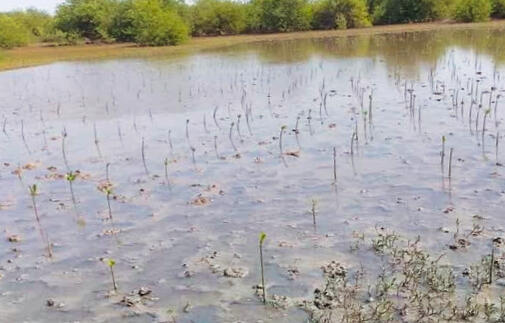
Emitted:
pixel 170 22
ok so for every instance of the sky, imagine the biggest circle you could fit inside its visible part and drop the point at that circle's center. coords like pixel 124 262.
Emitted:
pixel 47 5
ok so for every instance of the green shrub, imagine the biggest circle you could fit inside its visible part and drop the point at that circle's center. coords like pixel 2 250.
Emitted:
pixel 403 11
pixel 156 25
pixel 472 10
pixel 340 14
pixel 12 33
pixel 121 27
pixel 218 17
pixel 38 23
pixel 88 18
pixel 498 8
pixel 279 15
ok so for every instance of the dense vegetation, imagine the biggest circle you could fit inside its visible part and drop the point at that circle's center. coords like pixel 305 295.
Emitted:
pixel 170 22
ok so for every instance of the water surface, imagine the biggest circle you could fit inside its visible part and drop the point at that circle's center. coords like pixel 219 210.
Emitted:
pixel 215 119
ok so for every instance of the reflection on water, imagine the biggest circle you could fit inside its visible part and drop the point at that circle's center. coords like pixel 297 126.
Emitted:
pixel 192 146
pixel 406 52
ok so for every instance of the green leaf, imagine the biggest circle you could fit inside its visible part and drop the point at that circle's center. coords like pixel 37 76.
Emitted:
pixel 262 237
pixel 33 189
pixel 70 176
pixel 111 262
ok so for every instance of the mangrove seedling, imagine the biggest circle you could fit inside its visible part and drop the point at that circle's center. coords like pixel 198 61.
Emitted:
pixel 215 117
pixel 442 154
pixel 97 142
pixel 165 163
pixel 488 111
pixel 491 265
pixel 230 135
pixel 4 127
pixel 335 165
pixel 111 263
pixel 120 135
pixel 193 150
pixel 283 128
pixel 238 127
pixel 313 211
pixel 107 190
pixel 187 129
pixel 450 162
pixel 370 108
pixel 107 177
pixel 497 147
pixel 170 142
pixel 205 124
pixel 23 137
pixel 71 177
pixel 142 151
pixel 296 131
pixel 33 193
pixel 261 240
pixel 63 137
pixel 247 122
pixel 353 138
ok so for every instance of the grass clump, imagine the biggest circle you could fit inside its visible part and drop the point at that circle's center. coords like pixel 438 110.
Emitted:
pixel 412 286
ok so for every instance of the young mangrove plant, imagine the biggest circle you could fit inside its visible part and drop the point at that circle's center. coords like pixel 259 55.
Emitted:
pixel 214 116
pixel 334 165
pixel 314 211
pixel 205 124
pixel 497 143
pixel 283 128
pixel 119 133
pixel 165 164
pixel 143 153
pixel 4 127
pixel 238 127
pixel 33 189
pixel 97 142
pixel 442 155
pixel 170 142
pixel 263 287
pixel 24 138
pixel 187 129
pixel 107 176
pixel 486 114
pixel 353 139
pixel 230 136
pixel 248 122
pixel 111 263
pixel 106 188
pixel 63 137
pixel 215 148
pixel 309 118
pixel 450 163
pixel 193 150
pixel 71 177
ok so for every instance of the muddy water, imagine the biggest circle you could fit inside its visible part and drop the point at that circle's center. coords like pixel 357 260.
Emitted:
pixel 177 232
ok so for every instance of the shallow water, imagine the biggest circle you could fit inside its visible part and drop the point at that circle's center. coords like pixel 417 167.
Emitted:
pixel 392 178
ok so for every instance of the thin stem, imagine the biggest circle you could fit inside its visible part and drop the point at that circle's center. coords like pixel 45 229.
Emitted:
pixel 450 162
pixel 231 136
pixel 263 275
pixel 113 278
pixel 144 157
pixel 334 165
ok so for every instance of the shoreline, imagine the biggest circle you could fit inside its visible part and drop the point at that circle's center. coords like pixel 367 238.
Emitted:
pixel 41 54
